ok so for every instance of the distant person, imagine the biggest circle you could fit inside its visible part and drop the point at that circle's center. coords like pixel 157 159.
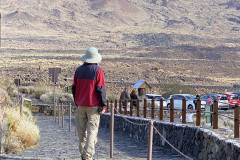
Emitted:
pixel 124 96
pixel 134 97
pixel 90 98
pixel 209 101
pixel 195 100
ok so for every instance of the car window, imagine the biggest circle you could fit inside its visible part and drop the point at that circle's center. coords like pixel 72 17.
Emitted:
pixel 234 97
pixel 174 96
pixel 189 97
pixel 158 97
pixel 204 97
pixel 214 96
pixel 223 98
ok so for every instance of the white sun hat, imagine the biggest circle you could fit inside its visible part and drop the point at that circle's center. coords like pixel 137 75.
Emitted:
pixel 91 56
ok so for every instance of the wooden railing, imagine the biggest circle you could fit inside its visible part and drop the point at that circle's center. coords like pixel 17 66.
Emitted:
pixel 119 109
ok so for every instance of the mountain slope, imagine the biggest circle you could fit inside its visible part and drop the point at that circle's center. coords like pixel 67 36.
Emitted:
pixel 118 23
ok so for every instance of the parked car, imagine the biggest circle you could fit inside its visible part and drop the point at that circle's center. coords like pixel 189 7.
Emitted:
pixel 156 97
pixel 221 98
pixel 178 101
pixel 238 93
pixel 232 99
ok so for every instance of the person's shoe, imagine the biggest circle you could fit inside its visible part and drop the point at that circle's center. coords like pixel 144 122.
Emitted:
pixel 83 158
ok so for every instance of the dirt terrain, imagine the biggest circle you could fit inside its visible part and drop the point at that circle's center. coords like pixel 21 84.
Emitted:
pixel 160 41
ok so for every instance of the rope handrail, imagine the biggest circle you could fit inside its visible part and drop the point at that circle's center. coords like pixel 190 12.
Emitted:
pixel 131 121
pixel 170 143
pixel 158 133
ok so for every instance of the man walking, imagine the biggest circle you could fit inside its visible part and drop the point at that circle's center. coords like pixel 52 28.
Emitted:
pixel 90 98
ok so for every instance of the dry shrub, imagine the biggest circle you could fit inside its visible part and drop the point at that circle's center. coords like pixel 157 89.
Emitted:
pixel 23 133
pixel 4 98
pixel 8 85
pixel 61 97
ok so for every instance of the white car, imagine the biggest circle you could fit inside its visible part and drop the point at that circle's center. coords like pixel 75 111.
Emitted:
pixel 177 101
pixel 157 98
pixel 221 98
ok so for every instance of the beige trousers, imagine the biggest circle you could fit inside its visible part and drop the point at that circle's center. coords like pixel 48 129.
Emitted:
pixel 87 123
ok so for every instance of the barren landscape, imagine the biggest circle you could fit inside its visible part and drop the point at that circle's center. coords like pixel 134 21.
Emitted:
pixel 161 41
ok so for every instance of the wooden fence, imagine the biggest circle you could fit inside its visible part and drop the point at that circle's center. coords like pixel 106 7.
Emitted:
pixel 129 111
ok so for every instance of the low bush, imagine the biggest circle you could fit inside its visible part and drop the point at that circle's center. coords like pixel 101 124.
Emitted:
pixel 112 97
pixel 60 97
pixel 22 131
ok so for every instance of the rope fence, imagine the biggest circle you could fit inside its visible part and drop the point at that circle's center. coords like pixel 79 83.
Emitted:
pixel 144 109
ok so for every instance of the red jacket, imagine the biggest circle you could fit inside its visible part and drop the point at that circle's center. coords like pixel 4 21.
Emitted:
pixel 89 86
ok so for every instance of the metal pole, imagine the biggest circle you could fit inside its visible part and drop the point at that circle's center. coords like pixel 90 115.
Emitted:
pixel 112 132
pixel 150 140
pixel 184 111
pixel 70 118
pixel 236 121
pixel 215 114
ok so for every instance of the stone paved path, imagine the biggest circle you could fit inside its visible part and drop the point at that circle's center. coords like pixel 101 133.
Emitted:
pixel 58 143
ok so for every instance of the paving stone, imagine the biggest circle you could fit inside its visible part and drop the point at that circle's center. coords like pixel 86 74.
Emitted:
pixel 59 144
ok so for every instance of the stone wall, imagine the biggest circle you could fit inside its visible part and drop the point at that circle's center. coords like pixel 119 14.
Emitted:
pixel 195 142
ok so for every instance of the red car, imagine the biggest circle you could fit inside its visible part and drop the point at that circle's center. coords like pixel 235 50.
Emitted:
pixel 232 99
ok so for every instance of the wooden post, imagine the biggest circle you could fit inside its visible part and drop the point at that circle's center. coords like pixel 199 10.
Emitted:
pixel 120 106
pixel 54 102
pixel 145 108
pixel 125 107
pixel 184 111
pixel 112 132
pixel 150 140
pixel 198 116
pixel 161 110
pixel 115 106
pixel 131 107
pixel 107 106
pixel 62 116
pixel 21 105
pixel 215 114
pixel 236 121
pixel 70 118
pixel 58 113
pixel 138 114
pixel 171 110
pixel 152 109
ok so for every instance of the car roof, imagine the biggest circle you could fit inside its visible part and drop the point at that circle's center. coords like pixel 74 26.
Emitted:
pixel 230 94
pixel 153 95
pixel 183 94
pixel 218 94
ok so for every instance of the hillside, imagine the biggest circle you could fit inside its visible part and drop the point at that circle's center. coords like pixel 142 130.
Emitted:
pixel 119 23
pixel 193 42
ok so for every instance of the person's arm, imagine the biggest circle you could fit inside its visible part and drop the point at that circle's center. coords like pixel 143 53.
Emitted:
pixel 74 86
pixel 100 87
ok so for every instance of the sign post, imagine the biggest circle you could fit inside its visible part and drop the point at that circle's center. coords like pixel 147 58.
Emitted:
pixel 54 72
